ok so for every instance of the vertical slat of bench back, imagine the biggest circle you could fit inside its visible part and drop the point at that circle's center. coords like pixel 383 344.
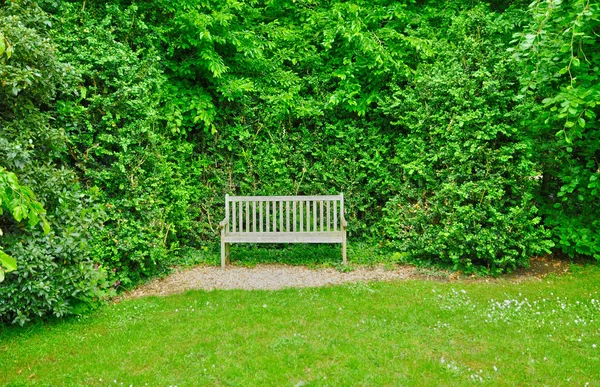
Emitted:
pixel 341 207
pixel 335 215
pixel 314 215
pixel 281 216
pixel 233 217
pixel 240 217
pixel 253 216
pixel 321 207
pixel 247 216
pixel 227 212
pixel 308 213
pixel 287 216
pixel 301 217
pixel 294 220
pixel 274 216
pixel 260 216
pixel 329 215
pixel 307 219
pixel 267 218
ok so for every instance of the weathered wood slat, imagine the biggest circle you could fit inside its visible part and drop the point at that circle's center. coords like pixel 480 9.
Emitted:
pixel 254 216
pixel 284 237
pixel 247 216
pixel 241 216
pixel 281 216
pixel 334 216
pixel 314 215
pixel 328 215
pixel 295 219
pixel 283 198
pixel 260 207
pixel 233 229
pixel 301 217
pixel 274 216
pixel 227 211
pixel 287 216
pixel 268 218
pixel 321 207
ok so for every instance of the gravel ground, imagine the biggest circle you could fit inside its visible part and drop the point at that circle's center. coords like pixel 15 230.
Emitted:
pixel 272 277
pixel 269 277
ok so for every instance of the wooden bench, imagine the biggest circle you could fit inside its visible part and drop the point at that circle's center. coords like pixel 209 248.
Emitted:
pixel 283 219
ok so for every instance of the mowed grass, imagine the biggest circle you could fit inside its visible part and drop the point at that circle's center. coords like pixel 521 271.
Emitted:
pixel 405 333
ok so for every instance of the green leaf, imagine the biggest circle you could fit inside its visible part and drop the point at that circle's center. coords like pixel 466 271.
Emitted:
pixel 45 225
pixel 2 45
pixel 8 262
pixel 18 213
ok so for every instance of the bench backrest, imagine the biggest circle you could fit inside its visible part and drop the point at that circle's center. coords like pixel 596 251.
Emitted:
pixel 283 214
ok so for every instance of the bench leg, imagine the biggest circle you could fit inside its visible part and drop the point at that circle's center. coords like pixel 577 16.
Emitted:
pixel 344 249
pixel 224 254
pixel 227 254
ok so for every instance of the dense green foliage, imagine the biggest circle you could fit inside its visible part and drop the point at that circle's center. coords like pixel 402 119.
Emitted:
pixel 559 50
pixel 55 273
pixel 461 134
pixel 466 168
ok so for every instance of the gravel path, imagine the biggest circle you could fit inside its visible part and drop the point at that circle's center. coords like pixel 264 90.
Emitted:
pixel 270 277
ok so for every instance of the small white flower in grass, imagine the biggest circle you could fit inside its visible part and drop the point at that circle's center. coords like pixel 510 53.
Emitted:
pixel 264 305
pixel 442 360
pixel 495 368
pixel 593 345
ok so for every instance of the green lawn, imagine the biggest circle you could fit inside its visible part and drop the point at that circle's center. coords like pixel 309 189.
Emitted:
pixel 406 333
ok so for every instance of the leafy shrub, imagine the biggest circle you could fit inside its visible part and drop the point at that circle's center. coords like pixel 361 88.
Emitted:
pixel 558 52
pixel 55 275
pixel 467 189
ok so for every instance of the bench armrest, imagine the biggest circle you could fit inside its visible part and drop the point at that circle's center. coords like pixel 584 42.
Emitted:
pixel 344 223
pixel 223 223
